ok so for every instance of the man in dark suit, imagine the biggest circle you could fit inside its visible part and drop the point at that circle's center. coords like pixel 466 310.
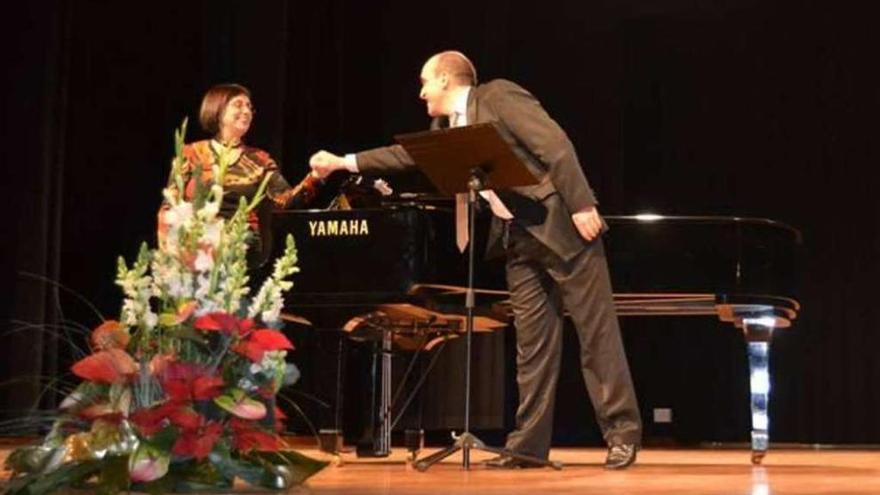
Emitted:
pixel 550 233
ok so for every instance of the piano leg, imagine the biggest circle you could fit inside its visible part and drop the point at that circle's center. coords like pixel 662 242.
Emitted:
pixel 384 437
pixel 758 334
pixel 375 440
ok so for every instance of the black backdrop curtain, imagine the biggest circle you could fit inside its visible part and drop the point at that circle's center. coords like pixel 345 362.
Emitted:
pixel 746 107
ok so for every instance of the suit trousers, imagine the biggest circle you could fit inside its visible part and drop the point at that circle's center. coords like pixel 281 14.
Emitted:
pixel 542 286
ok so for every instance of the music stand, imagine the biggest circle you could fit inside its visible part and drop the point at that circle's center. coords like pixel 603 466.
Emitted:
pixel 458 160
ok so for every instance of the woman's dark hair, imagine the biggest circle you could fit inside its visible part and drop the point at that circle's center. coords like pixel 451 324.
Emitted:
pixel 215 101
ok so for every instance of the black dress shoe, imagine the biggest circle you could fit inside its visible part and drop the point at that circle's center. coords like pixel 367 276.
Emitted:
pixel 621 456
pixel 507 462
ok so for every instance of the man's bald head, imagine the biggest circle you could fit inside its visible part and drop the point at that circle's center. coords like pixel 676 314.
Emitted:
pixel 459 68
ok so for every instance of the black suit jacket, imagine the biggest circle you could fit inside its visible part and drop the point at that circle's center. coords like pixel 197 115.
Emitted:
pixel 544 209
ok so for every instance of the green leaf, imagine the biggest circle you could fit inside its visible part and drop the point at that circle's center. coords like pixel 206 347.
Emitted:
pixel 299 467
pixel 164 439
pixel 34 458
pixel 84 395
pixel 250 472
pixel 186 333
pixel 65 476
pixel 204 476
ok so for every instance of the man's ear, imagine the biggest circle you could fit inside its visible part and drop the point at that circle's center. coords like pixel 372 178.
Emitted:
pixel 444 80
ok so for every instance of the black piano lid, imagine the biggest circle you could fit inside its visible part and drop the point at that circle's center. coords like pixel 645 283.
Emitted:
pixel 797 237
pixel 653 259
pixel 702 254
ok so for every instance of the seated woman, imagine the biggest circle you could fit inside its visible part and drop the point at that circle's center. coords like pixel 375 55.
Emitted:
pixel 226 114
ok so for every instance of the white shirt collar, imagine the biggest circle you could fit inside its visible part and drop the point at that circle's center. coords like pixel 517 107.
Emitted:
pixel 459 106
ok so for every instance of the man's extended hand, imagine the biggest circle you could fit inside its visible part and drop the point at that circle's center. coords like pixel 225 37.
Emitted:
pixel 588 223
pixel 324 163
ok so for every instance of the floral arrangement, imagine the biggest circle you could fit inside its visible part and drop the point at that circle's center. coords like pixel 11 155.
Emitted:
pixel 180 393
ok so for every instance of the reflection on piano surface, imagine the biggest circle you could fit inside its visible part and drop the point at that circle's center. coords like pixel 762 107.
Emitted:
pixel 742 270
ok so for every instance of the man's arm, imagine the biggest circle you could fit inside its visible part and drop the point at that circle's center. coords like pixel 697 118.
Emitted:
pixel 384 160
pixel 377 161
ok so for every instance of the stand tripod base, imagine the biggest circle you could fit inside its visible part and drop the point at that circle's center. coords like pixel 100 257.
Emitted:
pixel 467 441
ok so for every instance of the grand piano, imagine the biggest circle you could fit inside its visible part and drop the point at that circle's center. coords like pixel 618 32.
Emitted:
pixel 740 270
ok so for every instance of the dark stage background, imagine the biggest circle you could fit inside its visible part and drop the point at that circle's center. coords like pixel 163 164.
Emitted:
pixel 736 107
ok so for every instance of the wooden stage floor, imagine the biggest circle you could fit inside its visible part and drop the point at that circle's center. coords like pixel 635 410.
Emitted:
pixel 657 472
pixel 666 472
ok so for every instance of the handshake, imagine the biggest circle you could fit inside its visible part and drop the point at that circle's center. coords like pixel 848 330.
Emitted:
pixel 324 163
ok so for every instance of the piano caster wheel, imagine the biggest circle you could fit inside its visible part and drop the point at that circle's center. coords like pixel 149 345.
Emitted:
pixel 422 466
pixel 757 457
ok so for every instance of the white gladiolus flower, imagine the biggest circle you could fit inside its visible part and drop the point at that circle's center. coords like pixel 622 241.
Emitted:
pixel 209 211
pixel 273 312
pixel 204 261
pixel 207 306
pixel 203 284
pixel 212 234
pixel 151 319
pixel 129 312
pixel 179 214
pixel 170 195
pixel 273 360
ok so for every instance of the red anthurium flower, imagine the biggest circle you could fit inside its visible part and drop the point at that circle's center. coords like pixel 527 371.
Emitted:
pixel 110 366
pixel 266 391
pixel 159 364
pixel 150 421
pixel 279 414
pixel 250 350
pixel 261 341
pixel 198 442
pixel 185 418
pixel 255 440
pixel 226 323
pixel 207 387
pixel 279 419
pixel 184 382
pixel 241 424
pixel 271 340
pixel 110 335
pixel 177 390
pixel 247 435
